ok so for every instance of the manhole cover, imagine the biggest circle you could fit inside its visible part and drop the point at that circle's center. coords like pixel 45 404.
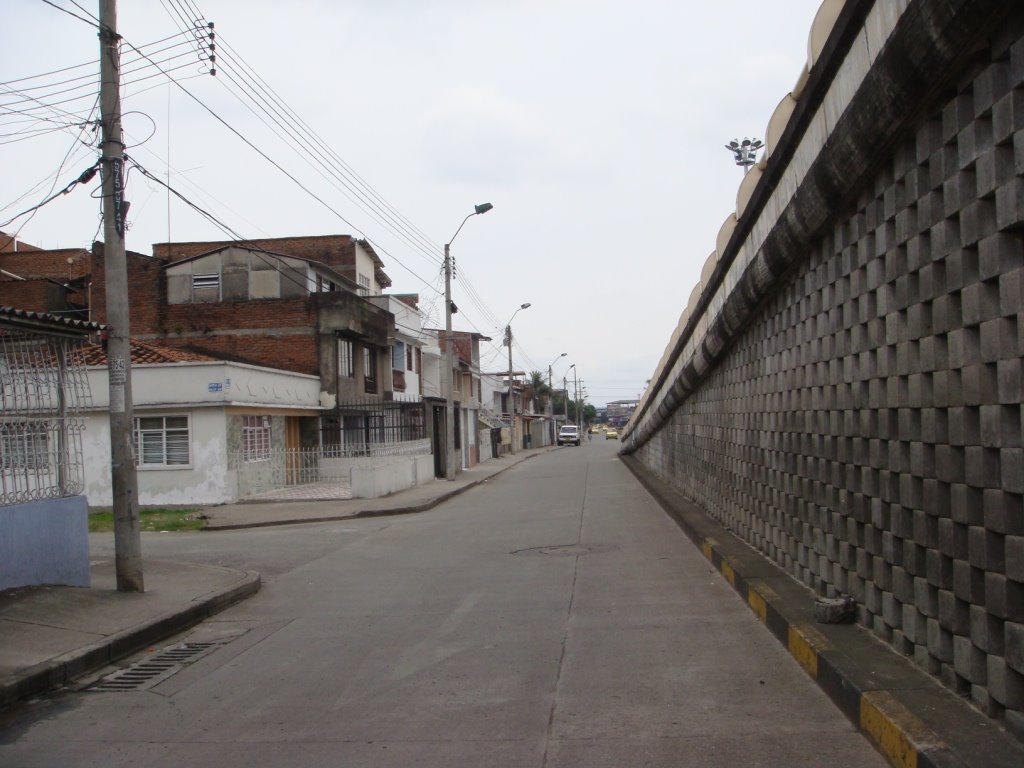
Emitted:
pixel 147 672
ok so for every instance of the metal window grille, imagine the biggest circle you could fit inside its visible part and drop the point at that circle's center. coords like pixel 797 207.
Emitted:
pixel 369 428
pixel 255 439
pixel 369 370
pixel 161 441
pixel 346 359
pixel 43 388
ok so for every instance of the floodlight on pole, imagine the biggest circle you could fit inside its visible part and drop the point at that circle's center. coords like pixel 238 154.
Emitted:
pixel 447 374
pixel 511 391
pixel 745 152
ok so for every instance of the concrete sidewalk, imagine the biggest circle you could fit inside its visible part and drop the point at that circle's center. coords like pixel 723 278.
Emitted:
pixel 417 499
pixel 50 635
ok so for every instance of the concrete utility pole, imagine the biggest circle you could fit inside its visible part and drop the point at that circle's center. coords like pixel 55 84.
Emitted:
pixel 447 371
pixel 127 539
pixel 551 398
pixel 511 390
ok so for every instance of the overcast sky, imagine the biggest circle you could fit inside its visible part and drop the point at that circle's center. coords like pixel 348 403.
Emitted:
pixel 596 129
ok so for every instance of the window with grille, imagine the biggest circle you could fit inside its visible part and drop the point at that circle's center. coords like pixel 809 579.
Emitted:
pixel 24 445
pixel 255 438
pixel 370 370
pixel 364 285
pixel 162 441
pixel 346 359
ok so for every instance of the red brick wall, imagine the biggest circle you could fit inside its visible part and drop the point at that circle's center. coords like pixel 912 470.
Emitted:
pixel 31 295
pixel 52 264
pixel 292 352
pixel 147 291
pixel 335 250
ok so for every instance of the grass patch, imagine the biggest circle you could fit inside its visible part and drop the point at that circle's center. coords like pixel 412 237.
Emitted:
pixel 152 520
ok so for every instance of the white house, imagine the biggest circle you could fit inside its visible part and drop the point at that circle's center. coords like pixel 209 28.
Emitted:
pixel 205 430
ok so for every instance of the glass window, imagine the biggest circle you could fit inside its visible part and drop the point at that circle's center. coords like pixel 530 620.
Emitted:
pixel 370 370
pixel 346 359
pixel 364 285
pixel 161 441
pixel 398 356
pixel 255 438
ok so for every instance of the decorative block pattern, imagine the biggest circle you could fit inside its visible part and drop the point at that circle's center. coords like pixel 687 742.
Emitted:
pixel 865 432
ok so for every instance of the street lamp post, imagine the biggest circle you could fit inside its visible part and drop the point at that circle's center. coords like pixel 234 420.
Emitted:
pixel 551 398
pixel 745 152
pixel 511 393
pixel 447 373
pixel 565 386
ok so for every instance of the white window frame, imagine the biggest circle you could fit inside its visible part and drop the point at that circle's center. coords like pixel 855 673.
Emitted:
pixel 256 433
pixel 365 286
pixel 346 358
pixel 150 434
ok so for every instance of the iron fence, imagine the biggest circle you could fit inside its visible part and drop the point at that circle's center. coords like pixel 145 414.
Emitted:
pixel 369 427
pixel 43 388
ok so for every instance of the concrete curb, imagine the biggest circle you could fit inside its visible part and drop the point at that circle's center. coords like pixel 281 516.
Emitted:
pixel 909 716
pixel 368 513
pixel 60 670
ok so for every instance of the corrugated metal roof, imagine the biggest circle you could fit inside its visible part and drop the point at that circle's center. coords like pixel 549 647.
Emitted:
pixel 44 321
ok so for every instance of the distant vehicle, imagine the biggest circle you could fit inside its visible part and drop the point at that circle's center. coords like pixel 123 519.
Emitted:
pixel 569 434
pixel 611 434
pixel 595 429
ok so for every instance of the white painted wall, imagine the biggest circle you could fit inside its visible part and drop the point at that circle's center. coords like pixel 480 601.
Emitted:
pixel 366 266
pixel 203 391
pixel 431 365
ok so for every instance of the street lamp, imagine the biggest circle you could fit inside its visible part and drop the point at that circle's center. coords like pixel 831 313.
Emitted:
pixel 551 396
pixel 745 152
pixel 511 395
pixel 565 386
pixel 447 374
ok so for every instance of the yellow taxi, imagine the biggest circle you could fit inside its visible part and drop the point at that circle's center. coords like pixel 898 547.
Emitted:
pixel 611 434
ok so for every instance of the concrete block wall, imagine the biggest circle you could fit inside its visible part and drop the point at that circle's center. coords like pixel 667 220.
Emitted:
pixel 862 428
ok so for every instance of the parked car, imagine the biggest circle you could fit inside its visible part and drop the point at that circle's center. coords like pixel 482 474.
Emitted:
pixel 570 433
pixel 611 434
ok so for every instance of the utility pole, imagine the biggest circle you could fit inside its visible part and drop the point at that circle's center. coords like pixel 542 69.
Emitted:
pixel 127 538
pixel 576 390
pixel 511 389
pixel 447 375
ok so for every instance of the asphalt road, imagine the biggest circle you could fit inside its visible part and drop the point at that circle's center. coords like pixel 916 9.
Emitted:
pixel 554 616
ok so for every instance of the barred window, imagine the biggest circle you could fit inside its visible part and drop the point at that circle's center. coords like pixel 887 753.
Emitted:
pixel 364 285
pixel 162 441
pixel 369 370
pixel 346 359
pixel 24 445
pixel 255 438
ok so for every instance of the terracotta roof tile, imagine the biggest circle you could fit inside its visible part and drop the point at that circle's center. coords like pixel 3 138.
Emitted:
pixel 143 353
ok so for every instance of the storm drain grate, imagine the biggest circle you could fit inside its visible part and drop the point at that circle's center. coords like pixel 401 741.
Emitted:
pixel 155 669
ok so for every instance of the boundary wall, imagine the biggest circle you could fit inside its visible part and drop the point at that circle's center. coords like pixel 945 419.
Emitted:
pixel 843 390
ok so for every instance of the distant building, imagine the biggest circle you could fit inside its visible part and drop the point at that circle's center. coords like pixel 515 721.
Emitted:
pixel 619 411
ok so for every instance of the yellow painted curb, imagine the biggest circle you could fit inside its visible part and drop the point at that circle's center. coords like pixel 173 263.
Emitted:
pixel 805 643
pixel 707 547
pixel 898 734
pixel 729 573
pixel 758 604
